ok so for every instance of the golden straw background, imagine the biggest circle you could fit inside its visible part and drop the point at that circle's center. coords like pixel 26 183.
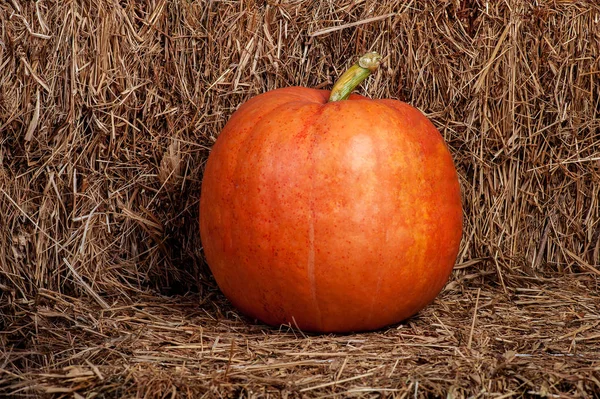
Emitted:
pixel 108 110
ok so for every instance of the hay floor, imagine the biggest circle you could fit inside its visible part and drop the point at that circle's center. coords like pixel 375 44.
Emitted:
pixel 476 340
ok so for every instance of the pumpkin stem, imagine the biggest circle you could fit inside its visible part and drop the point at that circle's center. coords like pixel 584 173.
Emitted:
pixel 358 72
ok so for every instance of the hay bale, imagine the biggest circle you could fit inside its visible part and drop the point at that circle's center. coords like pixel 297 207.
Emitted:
pixel 108 111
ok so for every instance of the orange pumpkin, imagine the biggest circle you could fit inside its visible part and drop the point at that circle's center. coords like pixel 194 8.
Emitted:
pixel 332 216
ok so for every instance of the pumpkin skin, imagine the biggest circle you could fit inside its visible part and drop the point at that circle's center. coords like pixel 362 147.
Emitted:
pixel 330 216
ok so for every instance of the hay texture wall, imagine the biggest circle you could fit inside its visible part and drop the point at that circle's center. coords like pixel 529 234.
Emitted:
pixel 108 110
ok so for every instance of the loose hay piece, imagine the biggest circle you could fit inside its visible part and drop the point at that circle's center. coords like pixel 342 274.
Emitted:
pixel 108 111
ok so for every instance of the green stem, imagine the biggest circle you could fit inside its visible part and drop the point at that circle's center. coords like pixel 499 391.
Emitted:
pixel 358 72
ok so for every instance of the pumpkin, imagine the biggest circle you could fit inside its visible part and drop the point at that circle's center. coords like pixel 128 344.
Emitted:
pixel 329 211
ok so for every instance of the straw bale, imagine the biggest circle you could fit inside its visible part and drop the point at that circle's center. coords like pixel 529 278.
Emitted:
pixel 108 111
